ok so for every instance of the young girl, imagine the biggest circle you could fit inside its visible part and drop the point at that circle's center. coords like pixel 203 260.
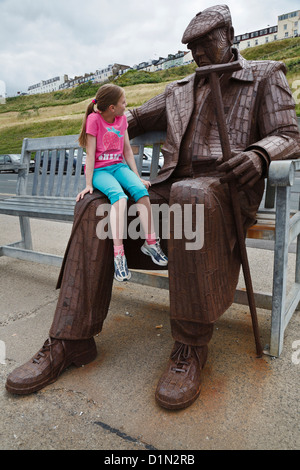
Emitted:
pixel 105 137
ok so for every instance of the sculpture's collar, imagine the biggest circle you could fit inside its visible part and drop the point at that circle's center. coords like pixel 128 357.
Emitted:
pixel 245 74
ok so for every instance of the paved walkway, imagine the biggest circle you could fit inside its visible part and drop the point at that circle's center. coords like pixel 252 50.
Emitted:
pixel 246 403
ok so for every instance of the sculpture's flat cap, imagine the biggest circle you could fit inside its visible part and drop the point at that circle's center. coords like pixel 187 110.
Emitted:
pixel 206 21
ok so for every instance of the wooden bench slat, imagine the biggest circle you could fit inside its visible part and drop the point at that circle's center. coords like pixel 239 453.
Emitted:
pixel 76 186
pixel 38 213
pixel 44 173
pixel 36 172
pixel 52 172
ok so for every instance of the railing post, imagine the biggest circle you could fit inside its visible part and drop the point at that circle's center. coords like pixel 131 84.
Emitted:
pixel 280 269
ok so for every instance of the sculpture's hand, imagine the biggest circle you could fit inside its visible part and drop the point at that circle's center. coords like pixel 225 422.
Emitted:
pixel 245 167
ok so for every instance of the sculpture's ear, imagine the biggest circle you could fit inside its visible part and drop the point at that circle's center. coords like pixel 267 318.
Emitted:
pixel 230 34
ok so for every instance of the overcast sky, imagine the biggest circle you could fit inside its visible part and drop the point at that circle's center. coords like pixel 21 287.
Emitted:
pixel 41 39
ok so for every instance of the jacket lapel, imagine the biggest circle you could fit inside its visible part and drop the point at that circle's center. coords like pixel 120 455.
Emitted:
pixel 181 104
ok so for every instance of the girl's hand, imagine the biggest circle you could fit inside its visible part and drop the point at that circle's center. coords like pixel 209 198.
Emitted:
pixel 88 189
pixel 146 183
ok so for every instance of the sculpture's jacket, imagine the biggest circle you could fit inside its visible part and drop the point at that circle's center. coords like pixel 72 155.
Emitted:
pixel 259 108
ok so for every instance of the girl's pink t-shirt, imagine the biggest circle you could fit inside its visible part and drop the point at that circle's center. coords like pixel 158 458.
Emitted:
pixel 109 138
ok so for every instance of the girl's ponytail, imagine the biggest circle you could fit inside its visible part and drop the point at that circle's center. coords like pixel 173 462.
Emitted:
pixel 82 136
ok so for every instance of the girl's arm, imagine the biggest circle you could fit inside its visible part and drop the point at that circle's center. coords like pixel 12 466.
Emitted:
pixel 89 166
pixel 130 160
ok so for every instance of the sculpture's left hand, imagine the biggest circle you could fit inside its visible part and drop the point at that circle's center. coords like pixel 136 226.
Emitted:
pixel 245 167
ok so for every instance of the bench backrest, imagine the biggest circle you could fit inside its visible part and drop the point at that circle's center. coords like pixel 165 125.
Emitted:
pixel 59 163
pixel 58 166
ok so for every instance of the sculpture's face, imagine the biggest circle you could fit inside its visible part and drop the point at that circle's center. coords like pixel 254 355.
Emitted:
pixel 213 48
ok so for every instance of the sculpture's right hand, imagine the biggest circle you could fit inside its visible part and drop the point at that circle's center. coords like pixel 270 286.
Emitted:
pixel 88 189
pixel 246 167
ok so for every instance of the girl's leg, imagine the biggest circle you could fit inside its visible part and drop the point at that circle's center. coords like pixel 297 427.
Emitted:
pixel 117 216
pixel 105 181
pixel 146 218
pixel 151 247
pixel 129 180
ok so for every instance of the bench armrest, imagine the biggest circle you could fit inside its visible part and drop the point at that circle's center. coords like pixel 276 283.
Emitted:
pixel 282 172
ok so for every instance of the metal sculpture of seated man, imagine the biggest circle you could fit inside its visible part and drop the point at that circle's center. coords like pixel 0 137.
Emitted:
pixel 262 126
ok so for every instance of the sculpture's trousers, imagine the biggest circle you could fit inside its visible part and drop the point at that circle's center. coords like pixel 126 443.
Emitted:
pixel 202 281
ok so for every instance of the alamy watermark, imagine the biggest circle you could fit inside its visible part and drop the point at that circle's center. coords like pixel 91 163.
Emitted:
pixel 187 222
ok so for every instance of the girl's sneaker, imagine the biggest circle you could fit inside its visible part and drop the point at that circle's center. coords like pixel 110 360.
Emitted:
pixel 156 253
pixel 121 269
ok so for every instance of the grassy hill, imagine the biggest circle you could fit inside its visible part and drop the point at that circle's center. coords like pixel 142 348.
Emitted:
pixel 61 112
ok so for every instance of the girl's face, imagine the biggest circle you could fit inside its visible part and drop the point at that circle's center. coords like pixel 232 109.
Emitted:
pixel 120 107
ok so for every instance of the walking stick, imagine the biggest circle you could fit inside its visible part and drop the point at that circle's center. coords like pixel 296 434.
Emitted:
pixel 213 71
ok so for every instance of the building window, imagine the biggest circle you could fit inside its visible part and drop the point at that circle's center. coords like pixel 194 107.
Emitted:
pixel 286 35
pixel 256 42
pixel 285 26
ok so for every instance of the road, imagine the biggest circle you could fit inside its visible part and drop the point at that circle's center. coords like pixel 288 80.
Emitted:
pixel 8 182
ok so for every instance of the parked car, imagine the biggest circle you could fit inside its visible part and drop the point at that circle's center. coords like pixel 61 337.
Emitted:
pixel 147 160
pixel 11 162
pixel 31 165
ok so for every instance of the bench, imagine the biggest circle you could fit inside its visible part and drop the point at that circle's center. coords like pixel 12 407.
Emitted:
pixel 52 196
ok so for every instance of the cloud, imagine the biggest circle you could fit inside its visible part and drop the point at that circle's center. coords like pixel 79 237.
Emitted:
pixel 40 39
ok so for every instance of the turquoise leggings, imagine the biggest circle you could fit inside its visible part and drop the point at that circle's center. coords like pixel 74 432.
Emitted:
pixel 111 180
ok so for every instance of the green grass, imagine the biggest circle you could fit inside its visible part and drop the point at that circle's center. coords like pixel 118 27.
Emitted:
pixel 286 50
pixel 275 50
pixel 134 77
pixel 56 98
pixel 11 138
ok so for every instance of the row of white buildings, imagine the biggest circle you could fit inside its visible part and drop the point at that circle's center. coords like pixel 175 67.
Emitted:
pixel 102 75
pixel 288 26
